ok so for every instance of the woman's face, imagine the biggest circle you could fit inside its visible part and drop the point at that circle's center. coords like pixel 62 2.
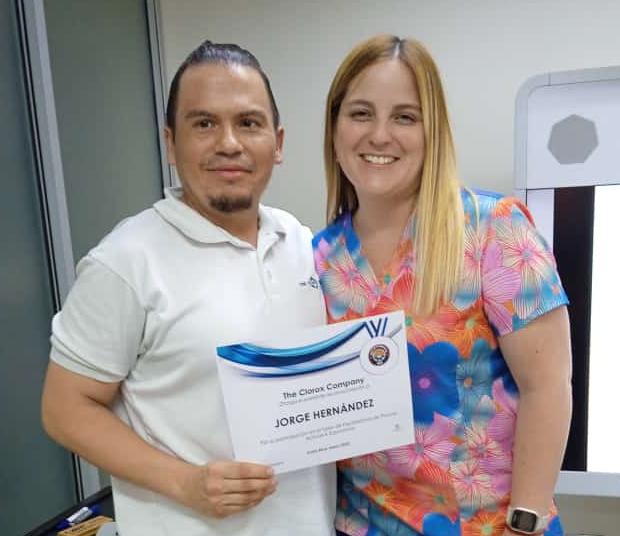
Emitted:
pixel 379 135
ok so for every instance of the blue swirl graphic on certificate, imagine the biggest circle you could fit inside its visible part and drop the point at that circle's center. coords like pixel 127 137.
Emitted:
pixel 260 361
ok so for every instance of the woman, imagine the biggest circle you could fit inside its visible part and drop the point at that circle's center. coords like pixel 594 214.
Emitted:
pixel 487 326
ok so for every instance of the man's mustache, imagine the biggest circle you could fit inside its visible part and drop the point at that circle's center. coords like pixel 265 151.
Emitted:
pixel 227 164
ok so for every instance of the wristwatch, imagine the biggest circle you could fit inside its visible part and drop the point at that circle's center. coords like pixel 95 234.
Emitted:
pixel 525 521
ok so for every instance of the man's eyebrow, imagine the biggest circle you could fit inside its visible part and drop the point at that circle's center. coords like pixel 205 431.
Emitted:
pixel 197 113
pixel 255 112
pixel 192 114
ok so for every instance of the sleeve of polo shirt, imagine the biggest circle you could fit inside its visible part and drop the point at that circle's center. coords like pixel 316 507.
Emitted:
pixel 98 333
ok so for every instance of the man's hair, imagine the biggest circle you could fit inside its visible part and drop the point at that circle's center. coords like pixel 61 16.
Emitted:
pixel 222 54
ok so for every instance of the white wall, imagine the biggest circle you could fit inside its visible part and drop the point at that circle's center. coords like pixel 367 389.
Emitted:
pixel 485 49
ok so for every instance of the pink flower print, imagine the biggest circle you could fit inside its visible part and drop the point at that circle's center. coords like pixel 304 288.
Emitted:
pixel 469 289
pixel 501 429
pixel 523 252
pixel 352 525
pixel 480 445
pixel 499 286
pixel 345 286
pixel 434 443
pixel 502 426
pixel 368 467
pixel 321 253
pixel 472 485
pixel 491 456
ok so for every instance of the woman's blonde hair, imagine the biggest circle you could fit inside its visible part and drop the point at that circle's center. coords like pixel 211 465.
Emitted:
pixel 439 227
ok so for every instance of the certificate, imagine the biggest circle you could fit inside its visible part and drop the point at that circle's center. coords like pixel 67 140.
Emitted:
pixel 319 394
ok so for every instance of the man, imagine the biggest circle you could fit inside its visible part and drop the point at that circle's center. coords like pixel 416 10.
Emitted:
pixel 132 382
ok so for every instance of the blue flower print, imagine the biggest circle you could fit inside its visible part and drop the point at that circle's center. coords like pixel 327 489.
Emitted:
pixel 433 381
pixel 474 378
pixel 555 528
pixel 501 370
pixel 383 523
pixel 439 525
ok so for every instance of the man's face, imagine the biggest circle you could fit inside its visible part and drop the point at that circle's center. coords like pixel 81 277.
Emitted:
pixel 225 143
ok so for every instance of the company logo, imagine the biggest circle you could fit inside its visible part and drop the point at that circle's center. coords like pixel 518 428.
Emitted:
pixel 378 354
pixel 376 327
pixel 312 282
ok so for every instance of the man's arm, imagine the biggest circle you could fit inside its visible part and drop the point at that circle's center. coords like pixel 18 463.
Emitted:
pixel 539 358
pixel 76 413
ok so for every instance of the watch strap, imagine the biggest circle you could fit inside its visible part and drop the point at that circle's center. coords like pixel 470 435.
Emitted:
pixel 539 525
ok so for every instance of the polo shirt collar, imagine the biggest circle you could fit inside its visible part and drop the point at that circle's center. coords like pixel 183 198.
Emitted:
pixel 198 228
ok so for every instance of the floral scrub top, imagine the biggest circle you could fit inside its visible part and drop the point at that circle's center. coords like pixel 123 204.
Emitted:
pixel 456 478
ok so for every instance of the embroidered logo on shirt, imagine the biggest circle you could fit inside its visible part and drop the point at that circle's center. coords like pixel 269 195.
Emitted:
pixel 312 282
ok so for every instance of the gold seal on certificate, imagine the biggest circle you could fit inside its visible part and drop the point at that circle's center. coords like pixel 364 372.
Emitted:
pixel 320 394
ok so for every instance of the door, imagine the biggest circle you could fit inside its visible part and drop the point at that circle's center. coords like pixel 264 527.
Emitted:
pixel 82 108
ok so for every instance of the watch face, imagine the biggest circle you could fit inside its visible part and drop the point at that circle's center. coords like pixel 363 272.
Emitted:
pixel 523 520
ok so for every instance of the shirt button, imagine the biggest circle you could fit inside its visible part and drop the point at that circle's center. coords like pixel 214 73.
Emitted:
pixel 268 274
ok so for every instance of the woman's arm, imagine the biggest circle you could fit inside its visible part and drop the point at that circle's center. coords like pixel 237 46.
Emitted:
pixel 539 358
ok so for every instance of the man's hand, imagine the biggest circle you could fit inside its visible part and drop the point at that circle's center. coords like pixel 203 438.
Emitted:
pixel 219 489
pixel 76 413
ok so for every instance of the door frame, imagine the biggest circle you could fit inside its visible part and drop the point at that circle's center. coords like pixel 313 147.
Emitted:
pixel 48 157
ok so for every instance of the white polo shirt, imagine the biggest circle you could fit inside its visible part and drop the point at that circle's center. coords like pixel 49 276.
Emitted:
pixel 150 304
